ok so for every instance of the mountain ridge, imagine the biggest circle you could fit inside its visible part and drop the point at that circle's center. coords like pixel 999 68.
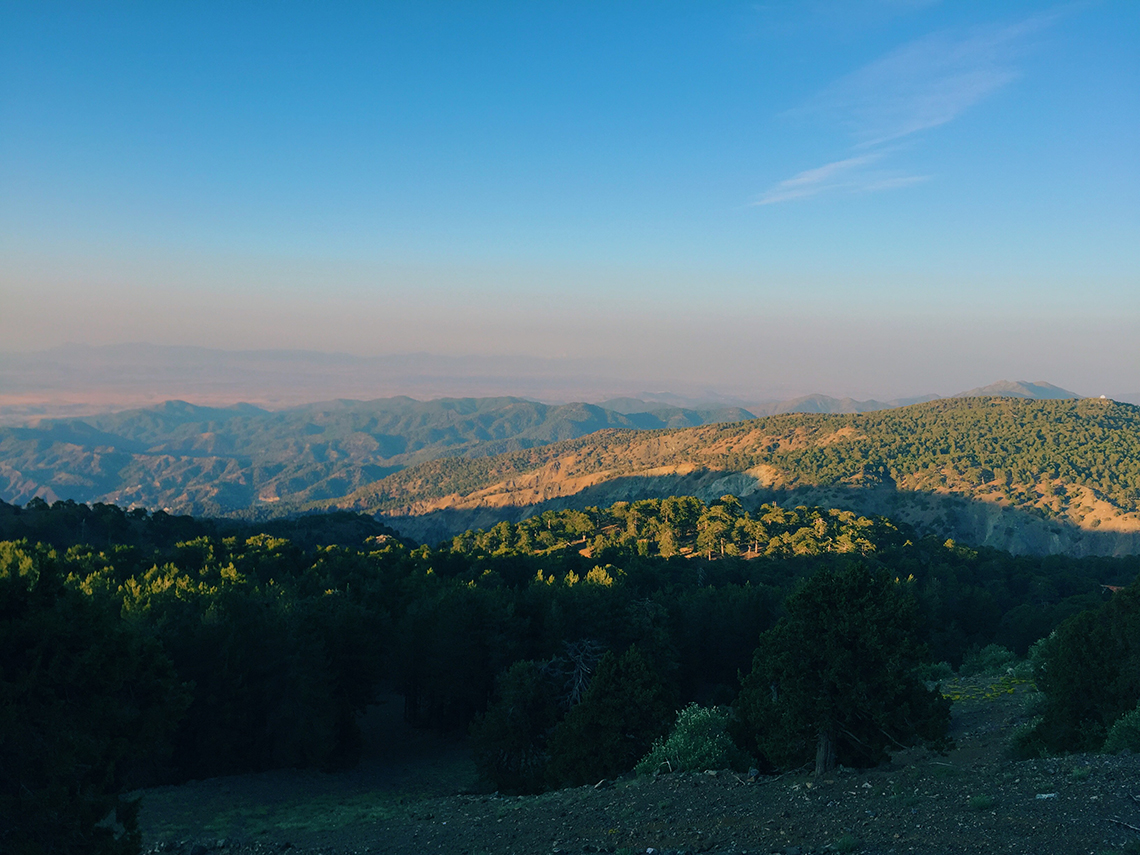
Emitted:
pixel 242 460
pixel 191 458
pixel 1062 475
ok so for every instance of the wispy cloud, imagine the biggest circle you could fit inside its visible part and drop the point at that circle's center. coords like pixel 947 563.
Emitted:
pixel 924 84
pixel 812 182
pixel 921 85
pixel 853 175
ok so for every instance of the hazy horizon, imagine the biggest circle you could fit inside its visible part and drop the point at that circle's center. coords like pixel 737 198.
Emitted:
pixel 84 380
pixel 875 199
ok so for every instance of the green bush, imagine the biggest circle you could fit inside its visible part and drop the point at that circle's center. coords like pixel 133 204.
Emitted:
pixel 1027 742
pixel 1036 656
pixel 1089 673
pixel 991 659
pixel 934 672
pixel 699 741
pixel 1124 733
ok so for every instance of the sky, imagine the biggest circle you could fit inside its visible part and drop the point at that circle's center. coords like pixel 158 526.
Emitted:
pixel 867 197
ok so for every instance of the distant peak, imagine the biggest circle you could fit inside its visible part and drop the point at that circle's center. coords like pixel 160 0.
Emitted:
pixel 1038 390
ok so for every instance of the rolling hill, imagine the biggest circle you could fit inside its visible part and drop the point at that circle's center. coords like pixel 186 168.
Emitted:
pixel 1039 476
pixel 211 460
pixel 1022 471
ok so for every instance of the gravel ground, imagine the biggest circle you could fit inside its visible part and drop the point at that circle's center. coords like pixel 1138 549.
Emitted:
pixel 974 800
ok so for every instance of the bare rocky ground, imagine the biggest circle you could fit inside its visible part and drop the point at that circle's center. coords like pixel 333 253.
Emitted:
pixel 974 800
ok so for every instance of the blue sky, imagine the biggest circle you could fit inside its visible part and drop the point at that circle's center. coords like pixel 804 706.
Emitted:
pixel 874 198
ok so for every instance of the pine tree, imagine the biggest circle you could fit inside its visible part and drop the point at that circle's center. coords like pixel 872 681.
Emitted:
pixel 834 677
pixel 626 707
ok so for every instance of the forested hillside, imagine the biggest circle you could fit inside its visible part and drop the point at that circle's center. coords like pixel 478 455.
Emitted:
pixel 1024 475
pixel 242 459
pixel 148 648
pixel 1032 476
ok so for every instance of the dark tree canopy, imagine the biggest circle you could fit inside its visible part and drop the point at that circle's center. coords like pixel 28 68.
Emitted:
pixel 626 707
pixel 84 702
pixel 1090 673
pixel 509 741
pixel 833 677
pixel 142 648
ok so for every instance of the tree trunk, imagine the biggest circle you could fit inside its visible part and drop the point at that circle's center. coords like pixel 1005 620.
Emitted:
pixel 824 753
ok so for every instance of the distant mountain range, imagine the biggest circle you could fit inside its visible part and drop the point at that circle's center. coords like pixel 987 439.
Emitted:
pixel 248 461
pixel 83 380
pixel 824 404
pixel 221 460
pixel 1039 390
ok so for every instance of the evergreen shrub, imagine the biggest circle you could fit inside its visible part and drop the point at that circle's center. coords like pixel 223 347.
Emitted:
pixel 698 741
pixel 991 659
pixel 1124 735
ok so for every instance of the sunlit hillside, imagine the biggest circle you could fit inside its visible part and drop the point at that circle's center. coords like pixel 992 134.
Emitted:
pixel 1030 476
